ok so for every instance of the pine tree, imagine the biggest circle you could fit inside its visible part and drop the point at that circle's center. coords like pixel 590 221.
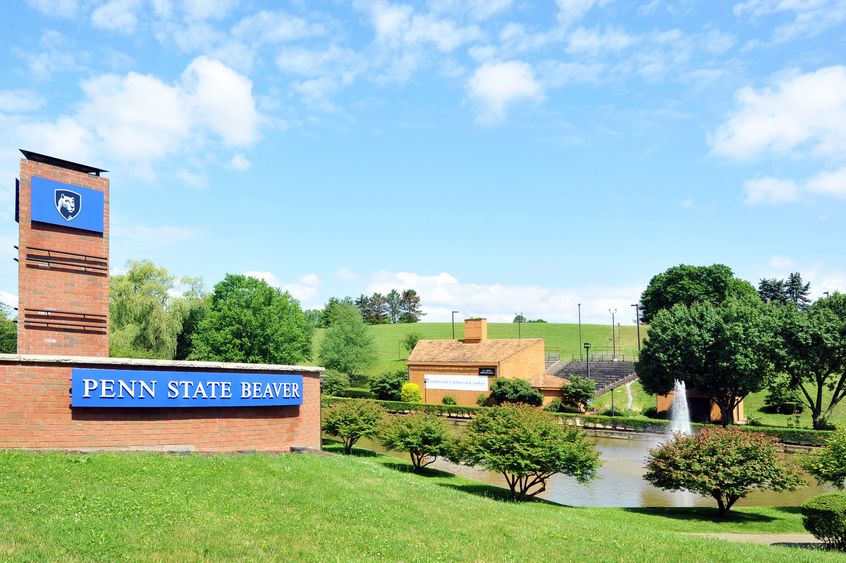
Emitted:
pixel 410 307
pixel 796 291
pixel 394 302
pixel 773 290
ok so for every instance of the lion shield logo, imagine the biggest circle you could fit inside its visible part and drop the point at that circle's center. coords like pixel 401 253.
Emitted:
pixel 68 203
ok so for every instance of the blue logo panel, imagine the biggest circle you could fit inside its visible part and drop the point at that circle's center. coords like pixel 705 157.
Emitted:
pixel 66 205
pixel 120 388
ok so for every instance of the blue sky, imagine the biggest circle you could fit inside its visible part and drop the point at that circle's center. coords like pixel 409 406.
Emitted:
pixel 499 156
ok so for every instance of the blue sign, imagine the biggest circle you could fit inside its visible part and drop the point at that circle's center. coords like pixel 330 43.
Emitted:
pixel 66 205
pixel 131 388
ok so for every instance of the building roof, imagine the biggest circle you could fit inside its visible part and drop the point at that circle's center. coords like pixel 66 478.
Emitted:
pixel 546 381
pixel 459 352
pixel 53 161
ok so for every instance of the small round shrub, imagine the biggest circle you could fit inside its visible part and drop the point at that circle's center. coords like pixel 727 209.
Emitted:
pixel 388 384
pixel 512 390
pixel 825 517
pixel 652 412
pixel 483 400
pixel 783 399
pixel 449 400
pixel 410 393
pixel 553 406
pixel 334 382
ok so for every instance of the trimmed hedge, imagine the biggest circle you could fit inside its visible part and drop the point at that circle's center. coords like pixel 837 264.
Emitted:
pixel 802 436
pixel 825 517
pixel 355 393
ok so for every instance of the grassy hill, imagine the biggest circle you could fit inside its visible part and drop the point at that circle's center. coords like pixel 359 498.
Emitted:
pixel 562 338
pixel 56 506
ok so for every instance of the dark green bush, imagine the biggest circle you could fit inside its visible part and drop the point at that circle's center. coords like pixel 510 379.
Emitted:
pixel 579 392
pixel 387 385
pixel 782 398
pixel 334 382
pixel 652 412
pixel 354 393
pixel 448 400
pixel 825 517
pixel 511 390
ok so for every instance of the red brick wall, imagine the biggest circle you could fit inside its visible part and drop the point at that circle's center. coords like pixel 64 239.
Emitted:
pixel 35 413
pixel 54 288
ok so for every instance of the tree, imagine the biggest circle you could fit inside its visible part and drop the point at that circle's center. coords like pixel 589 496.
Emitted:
pixel 410 308
pixel 796 291
pixel 512 390
pixel 724 352
pixel 334 382
pixel 828 464
pixel 423 436
pixel 388 385
pixel 691 284
pixel 249 321
pixel 394 305
pixel 579 392
pixel 527 446
pixel 332 309
pixel 142 324
pixel 519 318
pixel 772 290
pixel 347 345
pixel 410 393
pixel 8 331
pixel 811 349
pixel 723 463
pixel 410 341
pixel 191 308
pixel 352 420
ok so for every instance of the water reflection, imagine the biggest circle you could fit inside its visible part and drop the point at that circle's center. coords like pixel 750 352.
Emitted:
pixel 620 481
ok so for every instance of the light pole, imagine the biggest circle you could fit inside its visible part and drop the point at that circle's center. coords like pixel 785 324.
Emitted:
pixel 637 320
pixel 453 324
pixel 587 358
pixel 580 332
pixel 613 337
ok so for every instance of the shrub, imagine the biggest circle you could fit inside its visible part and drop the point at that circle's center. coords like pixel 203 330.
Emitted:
pixel 354 393
pixel 333 382
pixel 782 398
pixel 483 399
pixel 553 406
pixel 423 436
pixel 352 420
pixel 579 392
pixel 527 446
pixel 508 390
pixel 410 393
pixel 387 385
pixel 449 400
pixel 410 341
pixel 828 465
pixel 825 517
pixel 652 412
pixel 725 463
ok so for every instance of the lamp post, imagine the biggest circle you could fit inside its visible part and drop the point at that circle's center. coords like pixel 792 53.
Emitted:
pixel 453 324
pixel 580 332
pixel 637 321
pixel 827 294
pixel 613 336
pixel 587 358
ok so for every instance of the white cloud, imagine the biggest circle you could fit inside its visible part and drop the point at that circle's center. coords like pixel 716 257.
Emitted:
pixel 475 9
pixel 131 237
pixel 117 15
pixel 810 17
pixel 770 190
pixel 19 101
pixel 717 42
pixel 240 162
pixel 207 9
pixel 594 41
pixel 195 180
pixel 9 299
pixel 53 54
pixel 56 8
pixel 269 277
pixel 324 71
pixel 797 112
pixel 781 262
pixel 399 25
pixel 571 11
pixel 831 183
pixel 442 293
pixel 557 74
pixel 275 27
pixel 496 85
pixel 347 275
pixel 303 291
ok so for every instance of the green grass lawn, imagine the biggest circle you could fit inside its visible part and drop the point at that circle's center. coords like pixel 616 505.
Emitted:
pixel 309 507
pixel 562 338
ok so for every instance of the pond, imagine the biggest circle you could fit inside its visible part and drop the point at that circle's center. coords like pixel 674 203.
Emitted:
pixel 620 480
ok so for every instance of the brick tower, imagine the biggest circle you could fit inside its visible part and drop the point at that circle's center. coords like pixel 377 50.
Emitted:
pixel 63 255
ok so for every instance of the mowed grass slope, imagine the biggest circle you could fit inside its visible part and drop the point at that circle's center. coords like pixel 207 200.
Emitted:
pixel 306 507
pixel 562 338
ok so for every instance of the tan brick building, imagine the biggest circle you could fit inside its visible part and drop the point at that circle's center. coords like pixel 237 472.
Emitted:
pixel 464 369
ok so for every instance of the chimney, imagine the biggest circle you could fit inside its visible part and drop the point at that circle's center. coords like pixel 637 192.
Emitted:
pixel 475 331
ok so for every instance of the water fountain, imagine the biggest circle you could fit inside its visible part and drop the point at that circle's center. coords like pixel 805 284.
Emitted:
pixel 680 422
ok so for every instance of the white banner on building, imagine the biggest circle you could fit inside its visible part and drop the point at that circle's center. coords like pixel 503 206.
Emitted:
pixel 456 382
